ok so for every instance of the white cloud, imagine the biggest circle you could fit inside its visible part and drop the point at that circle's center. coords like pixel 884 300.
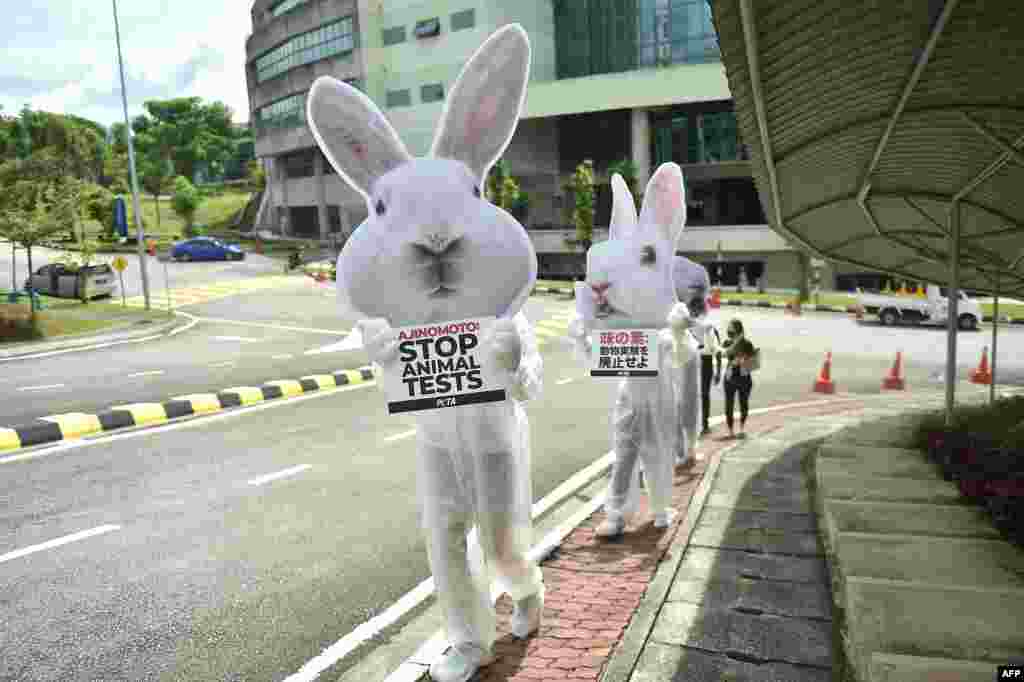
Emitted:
pixel 61 55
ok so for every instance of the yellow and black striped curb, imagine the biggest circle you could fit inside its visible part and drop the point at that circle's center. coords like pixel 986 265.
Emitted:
pixel 74 425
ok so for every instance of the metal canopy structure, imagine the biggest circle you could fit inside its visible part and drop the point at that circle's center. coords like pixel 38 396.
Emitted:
pixel 868 121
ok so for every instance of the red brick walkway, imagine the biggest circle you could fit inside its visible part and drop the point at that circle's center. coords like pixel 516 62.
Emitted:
pixel 594 586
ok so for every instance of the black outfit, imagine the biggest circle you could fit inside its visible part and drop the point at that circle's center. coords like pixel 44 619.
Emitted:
pixel 707 373
pixel 737 382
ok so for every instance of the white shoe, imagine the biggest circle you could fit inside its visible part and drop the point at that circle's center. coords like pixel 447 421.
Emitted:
pixel 613 525
pixel 526 615
pixel 664 519
pixel 460 663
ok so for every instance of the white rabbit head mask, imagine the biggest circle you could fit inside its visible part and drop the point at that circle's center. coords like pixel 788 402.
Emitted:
pixel 629 277
pixel 692 285
pixel 432 249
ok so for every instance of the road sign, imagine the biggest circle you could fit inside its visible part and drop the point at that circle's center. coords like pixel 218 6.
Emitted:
pixel 120 263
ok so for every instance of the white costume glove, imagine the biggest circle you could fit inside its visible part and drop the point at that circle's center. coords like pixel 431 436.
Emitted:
pixel 684 346
pixel 505 347
pixel 578 334
pixel 380 341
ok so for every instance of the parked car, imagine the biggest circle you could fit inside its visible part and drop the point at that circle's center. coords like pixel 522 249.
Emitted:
pixel 56 279
pixel 206 248
pixel 932 309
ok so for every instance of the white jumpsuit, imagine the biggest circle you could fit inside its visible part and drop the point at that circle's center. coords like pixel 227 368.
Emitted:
pixel 474 473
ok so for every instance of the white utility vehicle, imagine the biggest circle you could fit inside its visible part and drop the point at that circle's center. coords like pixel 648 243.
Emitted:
pixel 933 308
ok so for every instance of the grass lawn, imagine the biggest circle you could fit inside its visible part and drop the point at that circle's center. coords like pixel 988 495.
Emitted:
pixel 216 212
pixel 1016 311
pixel 66 317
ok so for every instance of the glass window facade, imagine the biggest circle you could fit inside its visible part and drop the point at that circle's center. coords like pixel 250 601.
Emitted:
pixel 286 6
pixel 288 112
pixel 337 37
pixel 608 36
pixel 709 137
pixel 434 92
pixel 393 35
pixel 398 98
pixel 464 19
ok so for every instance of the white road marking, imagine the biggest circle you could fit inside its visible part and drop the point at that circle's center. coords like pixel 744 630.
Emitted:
pixel 218 365
pixel 40 388
pixel 561 382
pixel 283 356
pixel 267 325
pixel 50 544
pixel 194 321
pixel 400 436
pixel 280 474
pixel 150 373
pixel 240 339
pixel 354 341
pixel 186 423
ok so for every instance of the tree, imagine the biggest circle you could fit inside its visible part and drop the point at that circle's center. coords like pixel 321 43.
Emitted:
pixel 185 202
pixel 627 169
pixel 156 175
pixel 188 132
pixel 582 187
pixel 257 176
pixel 502 189
pixel 27 227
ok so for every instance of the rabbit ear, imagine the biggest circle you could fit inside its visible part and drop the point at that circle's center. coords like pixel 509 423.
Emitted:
pixel 665 203
pixel 623 220
pixel 485 103
pixel 353 133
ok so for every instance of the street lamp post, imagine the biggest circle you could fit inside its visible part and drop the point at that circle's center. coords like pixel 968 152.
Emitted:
pixel 131 166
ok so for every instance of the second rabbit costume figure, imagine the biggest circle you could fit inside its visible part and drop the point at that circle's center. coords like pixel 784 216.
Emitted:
pixel 433 250
pixel 629 285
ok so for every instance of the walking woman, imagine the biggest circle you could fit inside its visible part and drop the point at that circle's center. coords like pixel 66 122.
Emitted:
pixel 741 360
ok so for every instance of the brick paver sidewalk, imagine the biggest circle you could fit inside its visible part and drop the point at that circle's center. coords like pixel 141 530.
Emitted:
pixel 594 586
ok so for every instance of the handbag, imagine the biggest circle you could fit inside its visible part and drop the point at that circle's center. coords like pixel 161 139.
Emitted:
pixel 752 363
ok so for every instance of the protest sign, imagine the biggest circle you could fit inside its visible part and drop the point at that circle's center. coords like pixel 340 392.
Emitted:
pixel 625 353
pixel 442 365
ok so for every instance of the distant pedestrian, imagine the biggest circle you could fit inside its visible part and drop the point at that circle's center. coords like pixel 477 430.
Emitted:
pixel 742 358
pixel 710 366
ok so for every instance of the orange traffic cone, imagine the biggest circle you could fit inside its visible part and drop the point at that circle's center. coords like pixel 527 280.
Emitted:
pixel 894 381
pixel 824 384
pixel 982 375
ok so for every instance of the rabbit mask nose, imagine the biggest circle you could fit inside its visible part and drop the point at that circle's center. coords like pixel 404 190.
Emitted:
pixel 439 242
pixel 600 291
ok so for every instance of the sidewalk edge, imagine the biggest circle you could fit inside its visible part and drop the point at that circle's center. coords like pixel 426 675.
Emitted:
pixel 624 658
pixel 90 340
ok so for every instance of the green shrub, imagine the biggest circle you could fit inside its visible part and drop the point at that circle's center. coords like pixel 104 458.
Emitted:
pixel 186 201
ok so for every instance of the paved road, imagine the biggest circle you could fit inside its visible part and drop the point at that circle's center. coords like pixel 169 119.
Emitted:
pixel 215 572
pixel 179 274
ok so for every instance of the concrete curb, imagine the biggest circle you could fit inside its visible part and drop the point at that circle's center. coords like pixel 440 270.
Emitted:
pixel 74 425
pixel 84 341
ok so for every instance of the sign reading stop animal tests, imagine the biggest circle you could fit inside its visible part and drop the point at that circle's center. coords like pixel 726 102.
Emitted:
pixel 625 353
pixel 442 365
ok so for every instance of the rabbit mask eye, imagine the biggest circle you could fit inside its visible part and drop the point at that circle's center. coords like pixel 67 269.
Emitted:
pixel 648 255
pixel 379 208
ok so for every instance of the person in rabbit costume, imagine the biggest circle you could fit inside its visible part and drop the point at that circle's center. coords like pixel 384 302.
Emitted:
pixel 692 285
pixel 433 250
pixel 629 284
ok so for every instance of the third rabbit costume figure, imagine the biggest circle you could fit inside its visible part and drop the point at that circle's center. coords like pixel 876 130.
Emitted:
pixel 434 251
pixel 629 287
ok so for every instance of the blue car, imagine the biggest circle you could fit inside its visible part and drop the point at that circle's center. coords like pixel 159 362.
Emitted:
pixel 206 248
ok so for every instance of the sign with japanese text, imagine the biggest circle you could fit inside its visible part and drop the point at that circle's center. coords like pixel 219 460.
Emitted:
pixel 625 353
pixel 442 365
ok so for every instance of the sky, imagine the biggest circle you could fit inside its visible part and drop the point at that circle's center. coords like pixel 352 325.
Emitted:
pixel 61 55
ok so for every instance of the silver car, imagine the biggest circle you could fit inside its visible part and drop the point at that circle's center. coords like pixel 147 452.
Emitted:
pixel 56 279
